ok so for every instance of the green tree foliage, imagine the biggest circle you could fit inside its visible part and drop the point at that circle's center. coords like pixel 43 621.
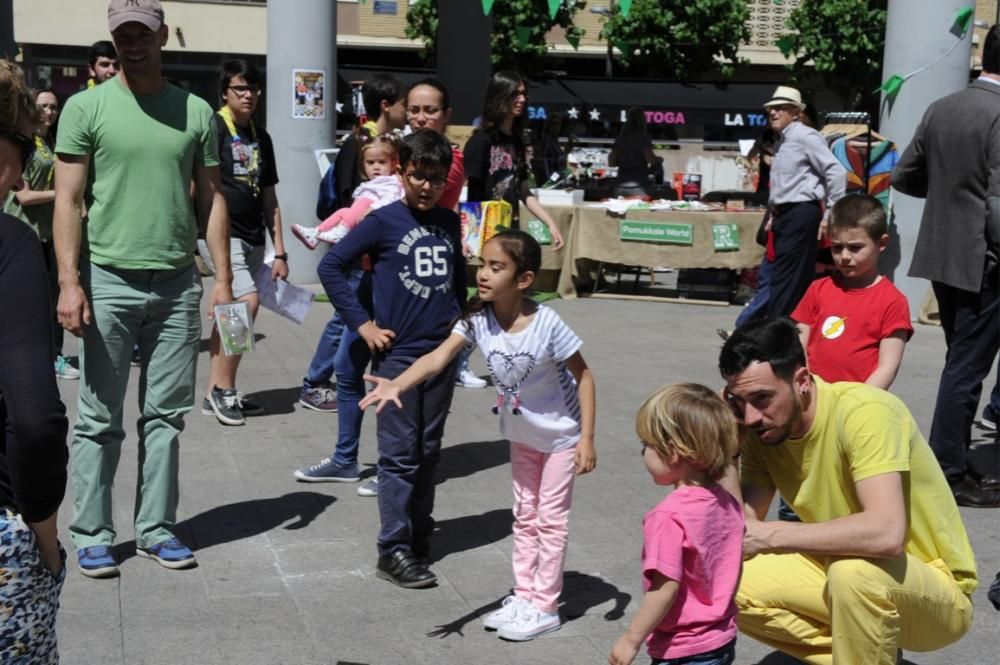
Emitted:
pixel 519 30
pixel 679 38
pixel 842 40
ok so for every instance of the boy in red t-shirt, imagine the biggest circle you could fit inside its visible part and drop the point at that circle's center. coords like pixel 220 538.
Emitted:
pixel 854 324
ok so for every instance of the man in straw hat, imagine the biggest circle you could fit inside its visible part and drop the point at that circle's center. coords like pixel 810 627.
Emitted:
pixel 804 175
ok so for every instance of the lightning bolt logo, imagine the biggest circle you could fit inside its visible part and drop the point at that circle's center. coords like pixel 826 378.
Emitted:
pixel 833 327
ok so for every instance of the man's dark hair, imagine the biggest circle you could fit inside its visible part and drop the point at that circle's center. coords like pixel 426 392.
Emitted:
pixel 860 211
pixel 101 49
pixel 774 341
pixel 233 68
pixel 378 88
pixel 424 148
pixel 431 82
pixel 991 50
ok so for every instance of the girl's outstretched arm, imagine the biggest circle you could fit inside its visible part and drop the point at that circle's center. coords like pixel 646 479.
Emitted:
pixel 655 605
pixel 426 366
pixel 586 454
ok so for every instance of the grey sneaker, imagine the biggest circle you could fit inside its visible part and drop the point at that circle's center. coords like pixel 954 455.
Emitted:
pixel 322 399
pixel 225 404
pixel 370 488
pixel 248 407
pixel 328 472
pixel 64 370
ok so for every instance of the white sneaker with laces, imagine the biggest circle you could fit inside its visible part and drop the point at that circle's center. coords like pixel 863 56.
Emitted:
pixel 334 235
pixel 467 379
pixel 306 234
pixel 509 608
pixel 529 623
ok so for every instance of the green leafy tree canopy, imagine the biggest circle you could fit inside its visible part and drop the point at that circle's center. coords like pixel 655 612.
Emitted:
pixel 519 30
pixel 679 38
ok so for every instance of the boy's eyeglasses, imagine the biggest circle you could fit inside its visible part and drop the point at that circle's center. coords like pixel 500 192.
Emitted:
pixel 24 144
pixel 244 89
pixel 418 179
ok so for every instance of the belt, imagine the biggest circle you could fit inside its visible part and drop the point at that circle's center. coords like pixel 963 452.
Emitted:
pixel 782 208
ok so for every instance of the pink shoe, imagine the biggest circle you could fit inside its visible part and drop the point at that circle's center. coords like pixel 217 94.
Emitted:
pixel 306 234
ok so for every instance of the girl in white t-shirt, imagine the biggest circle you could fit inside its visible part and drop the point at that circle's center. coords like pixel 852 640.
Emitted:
pixel 546 403
pixel 379 164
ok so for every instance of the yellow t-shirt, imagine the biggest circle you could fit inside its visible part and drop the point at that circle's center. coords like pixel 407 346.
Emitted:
pixel 860 432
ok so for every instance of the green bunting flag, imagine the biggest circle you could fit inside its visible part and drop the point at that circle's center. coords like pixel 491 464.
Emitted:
pixel 487 6
pixel 962 19
pixel 784 45
pixel 892 86
pixel 574 41
pixel 624 47
pixel 626 6
pixel 554 8
pixel 523 35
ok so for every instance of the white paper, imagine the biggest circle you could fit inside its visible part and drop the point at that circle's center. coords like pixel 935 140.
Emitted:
pixel 291 301
pixel 746 145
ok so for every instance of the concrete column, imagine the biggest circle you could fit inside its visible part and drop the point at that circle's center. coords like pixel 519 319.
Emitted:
pixel 301 34
pixel 914 39
pixel 463 56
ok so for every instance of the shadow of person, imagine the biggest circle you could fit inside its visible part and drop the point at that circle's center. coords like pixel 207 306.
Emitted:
pixel 778 658
pixel 204 341
pixel 276 401
pixel 465 459
pixel 471 532
pixel 244 519
pixel 580 593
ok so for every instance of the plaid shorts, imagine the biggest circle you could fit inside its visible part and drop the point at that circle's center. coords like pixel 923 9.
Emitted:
pixel 29 596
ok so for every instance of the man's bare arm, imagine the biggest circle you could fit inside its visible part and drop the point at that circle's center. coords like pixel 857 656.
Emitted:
pixel 212 206
pixel 67 231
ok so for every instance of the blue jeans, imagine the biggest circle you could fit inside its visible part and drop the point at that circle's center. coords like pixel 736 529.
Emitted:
pixel 321 368
pixel 722 656
pixel 757 306
pixel 349 363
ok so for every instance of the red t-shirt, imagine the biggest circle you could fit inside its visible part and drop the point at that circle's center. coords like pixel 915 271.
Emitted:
pixel 847 325
pixel 456 180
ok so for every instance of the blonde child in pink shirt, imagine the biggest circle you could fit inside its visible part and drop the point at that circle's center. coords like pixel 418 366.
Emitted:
pixel 379 164
pixel 692 551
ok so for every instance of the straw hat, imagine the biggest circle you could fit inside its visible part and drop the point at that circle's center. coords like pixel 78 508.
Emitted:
pixel 783 94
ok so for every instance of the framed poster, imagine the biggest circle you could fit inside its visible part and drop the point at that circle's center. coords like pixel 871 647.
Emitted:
pixel 309 94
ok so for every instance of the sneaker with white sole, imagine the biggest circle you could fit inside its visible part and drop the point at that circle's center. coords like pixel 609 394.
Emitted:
pixel 225 404
pixel 509 609
pixel 248 407
pixel 321 398
pixel 334 235
pixel 329 472
pixel 529 623
pixel 171 553
pixel 64 370
pixel 370 488
pixel 467 379
pixel 988 421
pixel 306 234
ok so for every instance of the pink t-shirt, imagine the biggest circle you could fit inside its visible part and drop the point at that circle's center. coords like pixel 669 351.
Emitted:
pixel 695 537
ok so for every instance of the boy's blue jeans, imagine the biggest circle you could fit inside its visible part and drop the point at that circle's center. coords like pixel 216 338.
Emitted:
pixel 724 655
pixel 757 306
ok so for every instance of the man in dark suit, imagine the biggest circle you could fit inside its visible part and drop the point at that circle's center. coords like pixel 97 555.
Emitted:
pixel 954 161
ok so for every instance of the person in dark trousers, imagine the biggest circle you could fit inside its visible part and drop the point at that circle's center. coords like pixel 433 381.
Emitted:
pixel 418 276
pixel 954 162
pixel 804 175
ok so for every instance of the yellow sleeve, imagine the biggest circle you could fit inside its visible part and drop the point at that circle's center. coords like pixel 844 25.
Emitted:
pixel 876 440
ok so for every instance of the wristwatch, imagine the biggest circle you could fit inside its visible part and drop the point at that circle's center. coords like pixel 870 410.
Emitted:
pixel 283 257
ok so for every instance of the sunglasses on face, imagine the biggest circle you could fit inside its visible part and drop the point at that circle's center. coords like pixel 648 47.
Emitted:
pixel 23 143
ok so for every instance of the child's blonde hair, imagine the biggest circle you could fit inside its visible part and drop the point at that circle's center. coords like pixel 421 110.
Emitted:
pixel 692 422
pixel 388 142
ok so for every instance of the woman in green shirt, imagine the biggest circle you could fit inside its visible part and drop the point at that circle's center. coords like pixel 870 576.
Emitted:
pixel 34 205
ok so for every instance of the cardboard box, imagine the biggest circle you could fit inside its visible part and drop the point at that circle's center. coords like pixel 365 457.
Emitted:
pixel 559 197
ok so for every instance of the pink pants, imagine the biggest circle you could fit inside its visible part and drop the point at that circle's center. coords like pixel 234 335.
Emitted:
pixel 543 492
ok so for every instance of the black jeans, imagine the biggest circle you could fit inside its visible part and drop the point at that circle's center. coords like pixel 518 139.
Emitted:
pixel 971 323
pixel 724 655
pixel 795 229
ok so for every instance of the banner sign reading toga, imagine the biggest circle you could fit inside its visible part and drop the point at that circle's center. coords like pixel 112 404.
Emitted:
pixel 663 232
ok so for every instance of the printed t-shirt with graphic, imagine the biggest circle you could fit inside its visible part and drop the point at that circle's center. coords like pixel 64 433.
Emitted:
pixel 492 165
pixel 143 151
pixel 39 176
pixel 858 432
pixel 244 178
pixel 536 393
pixel 418 275
pixel 694 537
pixel 847 325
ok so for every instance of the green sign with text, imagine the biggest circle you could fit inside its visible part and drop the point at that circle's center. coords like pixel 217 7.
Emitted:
pixel 539 231
pixel 726 237
pixel 665 232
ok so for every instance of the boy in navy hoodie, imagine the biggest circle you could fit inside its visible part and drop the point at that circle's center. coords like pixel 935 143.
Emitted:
pixel 419 290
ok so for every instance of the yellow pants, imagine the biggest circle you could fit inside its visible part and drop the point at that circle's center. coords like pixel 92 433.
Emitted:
pixel 850 611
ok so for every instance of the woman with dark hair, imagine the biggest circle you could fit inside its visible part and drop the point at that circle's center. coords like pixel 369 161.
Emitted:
pixel 249 174
pixel 33 424
pixel 34 205
pixel 633 155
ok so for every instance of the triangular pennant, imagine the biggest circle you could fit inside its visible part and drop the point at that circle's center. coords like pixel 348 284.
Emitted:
pixel 625 6
pixel 523 35
pixel 892 85
pixel 784 45
pixel 554 8
pixel 623 47
pixel 487 6
pixel 960 24
pixel 574 41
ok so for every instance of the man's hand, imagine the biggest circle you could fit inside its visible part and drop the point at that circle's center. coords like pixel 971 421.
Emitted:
pixel 623 652
pixel 222 293
pixel 73 309
pixel 586 456
pixel 385 391
pixel 279 270
pixel 48 544
pixel 823 228
pixel 756 537
pixel 377 339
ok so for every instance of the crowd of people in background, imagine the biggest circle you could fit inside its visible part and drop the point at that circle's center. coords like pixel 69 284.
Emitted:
pixel 870 554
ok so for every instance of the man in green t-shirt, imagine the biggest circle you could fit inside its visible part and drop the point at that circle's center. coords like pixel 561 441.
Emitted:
pixel 128 277
pixel 881 561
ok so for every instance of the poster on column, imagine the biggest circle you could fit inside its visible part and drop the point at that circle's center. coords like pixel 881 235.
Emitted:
pixel 309 94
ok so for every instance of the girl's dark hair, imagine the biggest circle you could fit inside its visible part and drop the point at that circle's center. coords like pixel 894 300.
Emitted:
pixel 233 68
pixel 501 93
pixel 635 123
pixel 435 83
pixel 523 250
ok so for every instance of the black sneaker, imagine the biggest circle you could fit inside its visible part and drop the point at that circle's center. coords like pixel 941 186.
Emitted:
pixel 402 569
pixel 226 406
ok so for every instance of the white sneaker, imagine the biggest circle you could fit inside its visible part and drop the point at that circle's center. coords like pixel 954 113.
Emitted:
pixel 370 488
pixel 334 235
pixel 306 234
pixel 64 370
pixel 529 623
pixel 467 379
pixel 509 609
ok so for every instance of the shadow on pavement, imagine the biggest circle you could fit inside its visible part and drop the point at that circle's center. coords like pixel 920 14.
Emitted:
pixel 244 519
pixel 277 401
pixel 203 342
pixel 778 658
pixel 580 593
pixel 470 532
pixel 465 459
